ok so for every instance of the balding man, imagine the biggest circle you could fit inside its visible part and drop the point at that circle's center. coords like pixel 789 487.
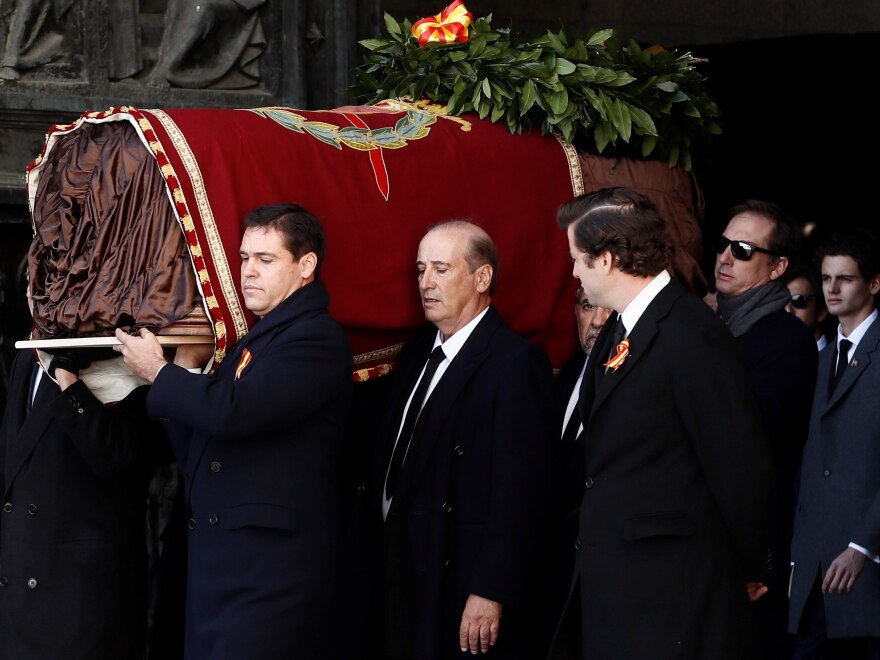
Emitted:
pixel 464 479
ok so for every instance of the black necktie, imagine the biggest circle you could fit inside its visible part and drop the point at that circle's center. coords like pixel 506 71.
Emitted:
pixel 401 449
pixel 32 390
pixel 569 434
pixel 842 361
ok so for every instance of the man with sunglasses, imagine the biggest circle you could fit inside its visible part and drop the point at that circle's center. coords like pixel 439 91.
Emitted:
pixel 753 254
pixel 807 304
pixel 835 572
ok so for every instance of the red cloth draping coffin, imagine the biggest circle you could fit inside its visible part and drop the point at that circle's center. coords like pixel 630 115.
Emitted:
pixel 377 178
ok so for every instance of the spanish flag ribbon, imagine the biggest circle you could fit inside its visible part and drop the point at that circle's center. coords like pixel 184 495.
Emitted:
pixel 449 26
pixel 244 362
pixel 622 351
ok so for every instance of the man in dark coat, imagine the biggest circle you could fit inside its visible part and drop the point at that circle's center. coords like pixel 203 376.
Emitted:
pixel 463 486
pixel 753 254
pixel 74 476
pixel 553 562
pixel 835 580
pixel 257 444
pixel 674 521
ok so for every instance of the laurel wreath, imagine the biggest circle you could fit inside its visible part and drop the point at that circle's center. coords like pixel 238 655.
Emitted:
pixel 594 92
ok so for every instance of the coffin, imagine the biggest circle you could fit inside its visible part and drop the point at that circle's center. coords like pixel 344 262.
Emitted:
pixel 137 217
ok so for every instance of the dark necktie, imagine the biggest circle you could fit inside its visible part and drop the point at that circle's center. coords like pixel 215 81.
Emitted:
pixel 569 434
pixel 32 389
pixel 398 457
pixel 842 361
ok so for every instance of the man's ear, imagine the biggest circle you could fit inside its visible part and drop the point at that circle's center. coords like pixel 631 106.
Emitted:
pixel 606 261
pixel 874 285
pixel 307 264
pixel 779 268
pixel 484 278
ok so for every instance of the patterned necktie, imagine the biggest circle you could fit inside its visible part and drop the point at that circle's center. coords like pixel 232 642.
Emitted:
pixel 618 333
pixel 842 361
pixel 401 449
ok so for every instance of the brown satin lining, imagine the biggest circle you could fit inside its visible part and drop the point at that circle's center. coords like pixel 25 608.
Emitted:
pixel 108 251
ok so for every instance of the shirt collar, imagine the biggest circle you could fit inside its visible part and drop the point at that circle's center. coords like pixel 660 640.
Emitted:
pixel 639 304
pixel 856 335
pixel 453 345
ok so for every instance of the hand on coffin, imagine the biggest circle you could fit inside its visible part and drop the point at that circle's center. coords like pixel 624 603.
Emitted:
pixel 142 353
pixel 193 356
pixel 74 360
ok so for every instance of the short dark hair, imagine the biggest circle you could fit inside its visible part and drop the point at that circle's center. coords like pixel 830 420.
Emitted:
pixel 785 236
pixel 301 231
pixel 480 250
pixel 860 244
pixel 622 222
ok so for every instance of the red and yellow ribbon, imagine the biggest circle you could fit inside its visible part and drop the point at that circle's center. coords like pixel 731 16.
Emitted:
pixel 622 351
pixel 244 362
pixel 447 27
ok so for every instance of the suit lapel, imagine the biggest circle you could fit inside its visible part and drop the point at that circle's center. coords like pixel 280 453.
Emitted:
pixel 439 404
pixel 857 366
pixel 27 429
pixel 641 338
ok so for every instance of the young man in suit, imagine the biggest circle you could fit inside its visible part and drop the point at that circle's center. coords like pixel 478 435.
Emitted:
pixel 257 445
pixel 674 520
pixel 465 467
pixel 835 581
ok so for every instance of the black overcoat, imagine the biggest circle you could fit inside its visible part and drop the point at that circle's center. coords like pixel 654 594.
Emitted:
pixel 74 477
pixel 678 500
pixel 258 446
pixel 468 506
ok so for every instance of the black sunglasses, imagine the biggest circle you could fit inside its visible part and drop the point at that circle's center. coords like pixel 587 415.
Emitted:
pixel 800 300
pixel 740 249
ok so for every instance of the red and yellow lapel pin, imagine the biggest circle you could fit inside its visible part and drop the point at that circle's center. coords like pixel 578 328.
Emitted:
pixel 243 363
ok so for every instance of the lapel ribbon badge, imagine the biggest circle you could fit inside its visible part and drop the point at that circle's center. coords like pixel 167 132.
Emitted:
pixel 449 26
pixel 622 351
pixel 244 362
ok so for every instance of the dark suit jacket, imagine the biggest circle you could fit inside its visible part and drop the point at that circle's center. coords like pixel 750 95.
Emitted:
pixel 468 503
pixel 74 477
pixel 674 518
pixel 552 564
pixel 258 456
pixel 839 499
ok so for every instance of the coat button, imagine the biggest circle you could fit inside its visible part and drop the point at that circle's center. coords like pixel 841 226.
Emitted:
pixel 577 544
pixel 80 411
pixel 827 473
pixel 215 466
pixel 361 489
pixel 458 450
pixel 3 582
pixel 446 506
pixel 213 519
pixel 589 482
pixel 191 523
pixel 32 583
pixel 32 509
pixel 8 507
